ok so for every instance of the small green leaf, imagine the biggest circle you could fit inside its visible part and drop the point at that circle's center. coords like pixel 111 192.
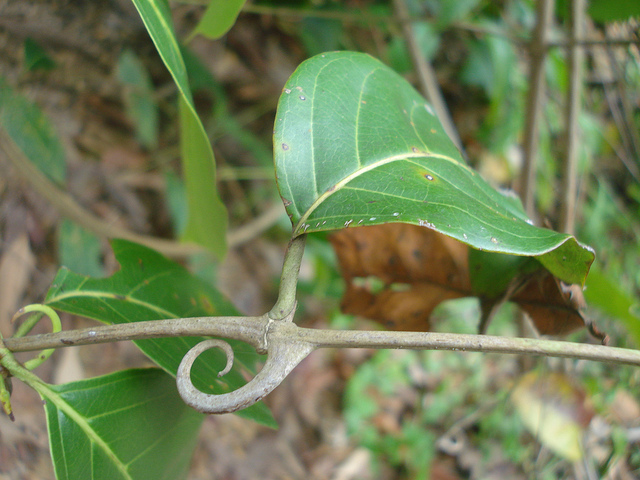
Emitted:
pixel 355 144
pixel 207 220
pixel 613 10
pixel 140 102
pixel 36 57
pixel 79 250
pixel 32 131
pixel 218 18
pixel 150 287
pixel 127 425
pixel 490 273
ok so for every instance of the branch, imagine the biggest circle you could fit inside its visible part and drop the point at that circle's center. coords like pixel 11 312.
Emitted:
pixel 286 345
pixel 535 102
pixel 67 206
pixel 570 173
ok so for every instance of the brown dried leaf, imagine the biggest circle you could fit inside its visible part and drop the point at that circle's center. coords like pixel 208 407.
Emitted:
pixel 553 306
pixel 417 267
pixel 397 274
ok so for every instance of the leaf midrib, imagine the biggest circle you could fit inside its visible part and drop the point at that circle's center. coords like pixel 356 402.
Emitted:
pixel 54 397
pixel 345 180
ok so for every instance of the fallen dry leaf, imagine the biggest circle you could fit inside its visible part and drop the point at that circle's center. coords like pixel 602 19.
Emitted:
pixel 555 410
pixel 398 273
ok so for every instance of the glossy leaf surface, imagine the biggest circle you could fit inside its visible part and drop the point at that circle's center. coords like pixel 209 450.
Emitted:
pixel 127 425
pixel 150 287
pixel 207 220
pixel 355 144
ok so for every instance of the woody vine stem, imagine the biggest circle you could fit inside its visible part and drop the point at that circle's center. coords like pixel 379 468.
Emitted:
pixel 286 344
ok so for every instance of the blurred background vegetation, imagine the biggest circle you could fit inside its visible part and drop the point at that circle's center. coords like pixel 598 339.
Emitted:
pixel 87 74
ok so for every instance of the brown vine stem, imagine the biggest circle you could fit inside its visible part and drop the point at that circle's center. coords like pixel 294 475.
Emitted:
pixel 570 173
pixel 286 345
pixel 535 102
pixel 67 206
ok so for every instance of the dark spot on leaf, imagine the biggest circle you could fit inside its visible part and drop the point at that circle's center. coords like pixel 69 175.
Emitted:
pixel 117 296
pixel 417 254
pixel 414 149
pixel 331 188
pixel 285 146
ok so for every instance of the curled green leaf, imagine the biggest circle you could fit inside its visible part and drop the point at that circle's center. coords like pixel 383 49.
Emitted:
pixel 356 145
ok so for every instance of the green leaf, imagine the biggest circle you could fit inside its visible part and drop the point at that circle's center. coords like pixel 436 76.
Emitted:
pixel 36 57
pixel 150 287
pixel 613 10
pixel 609 296
pixel 207 221
pixel 79 249
pixel 355 144
pixel 126 425
pixel 140 101
pixel 490 273
pixel 32 131
pixel 218 18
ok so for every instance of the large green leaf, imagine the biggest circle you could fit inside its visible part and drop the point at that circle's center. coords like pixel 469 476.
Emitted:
pixel 148 286
pixel 127 425
pixel 207 221
pixel 355 144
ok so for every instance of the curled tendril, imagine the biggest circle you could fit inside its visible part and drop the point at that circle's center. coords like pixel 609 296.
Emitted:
pixel 31 322
pixel 282 357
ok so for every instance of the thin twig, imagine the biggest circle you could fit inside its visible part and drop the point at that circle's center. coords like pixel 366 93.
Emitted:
pixel 570 172
pixel 626 126
pixel 535 101
pixel 67 206
pixel 367 17
pixel 248 329
pixel 426 75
